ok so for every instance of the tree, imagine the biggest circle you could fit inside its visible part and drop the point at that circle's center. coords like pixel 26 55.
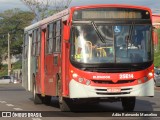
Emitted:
pixel 157 53
pixel 13 22
pixel 45 8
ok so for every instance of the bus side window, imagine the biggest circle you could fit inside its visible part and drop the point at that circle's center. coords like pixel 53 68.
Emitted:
pixel 58 36
pixel 38 42
pixel 49 38
pixel 34 36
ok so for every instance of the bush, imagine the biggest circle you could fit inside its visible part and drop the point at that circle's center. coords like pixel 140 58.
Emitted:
pixel 4 68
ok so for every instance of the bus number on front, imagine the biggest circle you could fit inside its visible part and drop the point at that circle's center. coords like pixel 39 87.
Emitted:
pixel 126 76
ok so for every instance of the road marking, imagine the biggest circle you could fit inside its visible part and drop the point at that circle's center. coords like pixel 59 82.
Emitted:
pixel 3 102
pixel 10 105
pixel 17 109
pixel 36 119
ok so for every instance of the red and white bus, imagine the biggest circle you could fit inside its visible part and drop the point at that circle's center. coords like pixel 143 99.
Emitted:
pixel 95 52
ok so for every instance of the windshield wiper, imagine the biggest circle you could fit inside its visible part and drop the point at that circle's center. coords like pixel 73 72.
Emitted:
pixel 97 31
pixel 131 31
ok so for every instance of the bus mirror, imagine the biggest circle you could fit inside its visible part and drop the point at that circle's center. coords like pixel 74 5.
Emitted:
pixel 66 32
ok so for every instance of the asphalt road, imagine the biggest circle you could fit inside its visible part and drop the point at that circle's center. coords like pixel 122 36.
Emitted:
pixel 15 100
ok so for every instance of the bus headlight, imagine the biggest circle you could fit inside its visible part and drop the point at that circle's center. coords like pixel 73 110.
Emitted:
pixel 88 82
pixel 74 75
pixel 150 74
pixel 80 79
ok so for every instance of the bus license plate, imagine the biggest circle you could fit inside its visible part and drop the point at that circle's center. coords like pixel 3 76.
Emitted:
pixel 113 90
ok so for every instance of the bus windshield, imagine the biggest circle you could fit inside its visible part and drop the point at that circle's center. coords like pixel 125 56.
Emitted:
pixel 111 43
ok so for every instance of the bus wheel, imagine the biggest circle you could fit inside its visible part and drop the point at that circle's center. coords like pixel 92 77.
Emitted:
pixel 36 97
pixel 64 104
pixel 47 100
pixel 128 103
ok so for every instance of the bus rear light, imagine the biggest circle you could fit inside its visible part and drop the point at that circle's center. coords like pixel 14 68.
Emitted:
pixel 139 81
pixel 74 75
pixel 88 82
pixel 80 79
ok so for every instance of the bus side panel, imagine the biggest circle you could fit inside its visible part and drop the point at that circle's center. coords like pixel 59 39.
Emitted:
pixel 50 74
pixel 65 67
pixel 63 75
pixel 52 65
pixel 33 70
pixel 25 73
pixel 25 62
pixel 29 64
pixel 38 74
pixel 42 68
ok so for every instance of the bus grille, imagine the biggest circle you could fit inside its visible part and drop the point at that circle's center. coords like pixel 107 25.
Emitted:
pixel 124 91
pixel 111 82
pixel 121 93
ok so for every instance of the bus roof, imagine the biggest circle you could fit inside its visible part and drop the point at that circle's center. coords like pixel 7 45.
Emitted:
pixel 47 20
pixel 112 5
pixel 67 11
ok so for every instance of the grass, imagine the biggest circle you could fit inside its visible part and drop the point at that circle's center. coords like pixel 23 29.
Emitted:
pixel 4 70
pixel 157 59
pixel 157 54
pixel 17 65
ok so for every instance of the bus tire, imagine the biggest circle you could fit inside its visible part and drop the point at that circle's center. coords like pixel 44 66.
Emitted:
pixel 128 103
pixel 47 100
pixel 37 98
pixel 64 104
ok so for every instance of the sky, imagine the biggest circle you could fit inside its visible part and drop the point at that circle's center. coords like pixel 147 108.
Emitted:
pixel 153 4
pixel 10 4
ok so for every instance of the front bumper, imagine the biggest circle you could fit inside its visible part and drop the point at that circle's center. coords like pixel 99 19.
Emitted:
pixel 78 90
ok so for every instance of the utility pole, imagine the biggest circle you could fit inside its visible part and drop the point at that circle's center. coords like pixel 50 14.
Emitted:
pixel 9 57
